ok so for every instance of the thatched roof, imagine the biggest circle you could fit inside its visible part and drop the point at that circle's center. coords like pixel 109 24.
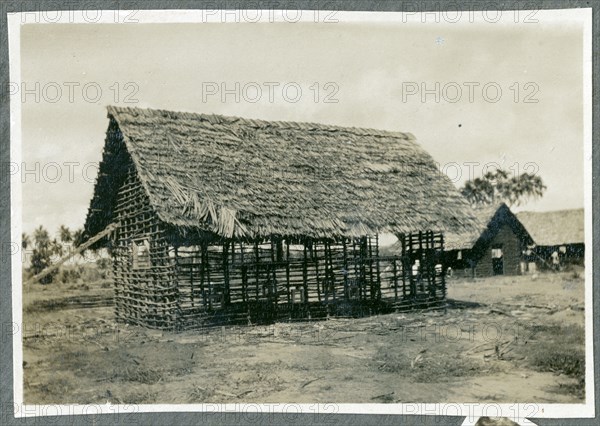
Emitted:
pixel 555 228
pixel 491 219
pixel 252 178
pixel 485 218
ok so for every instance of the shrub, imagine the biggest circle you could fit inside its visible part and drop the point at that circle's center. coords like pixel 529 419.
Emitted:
pixel 69 275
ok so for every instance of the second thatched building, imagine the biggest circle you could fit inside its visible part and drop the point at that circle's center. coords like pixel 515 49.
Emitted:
pixel 559 237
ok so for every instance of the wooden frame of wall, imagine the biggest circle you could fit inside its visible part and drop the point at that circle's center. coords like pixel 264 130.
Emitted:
pixel 198 279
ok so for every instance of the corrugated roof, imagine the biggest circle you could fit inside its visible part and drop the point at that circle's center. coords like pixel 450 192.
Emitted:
pixel 555 227
pixel 250 178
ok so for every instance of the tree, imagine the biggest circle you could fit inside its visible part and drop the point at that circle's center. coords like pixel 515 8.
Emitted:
pixel 478 191
pixel 40 257
pixel 79 238
pixel 25 241
pixel 64 234
pixel 57 248
pixel 501 186
pixel 43 250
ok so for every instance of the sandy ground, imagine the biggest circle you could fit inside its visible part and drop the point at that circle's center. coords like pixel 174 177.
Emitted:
pixel 479 350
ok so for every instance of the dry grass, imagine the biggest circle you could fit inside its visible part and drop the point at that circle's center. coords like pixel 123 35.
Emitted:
pixel 558 349
pixel 380 358
pixel 427 367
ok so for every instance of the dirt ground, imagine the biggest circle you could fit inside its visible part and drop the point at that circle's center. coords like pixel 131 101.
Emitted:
pixel 502 339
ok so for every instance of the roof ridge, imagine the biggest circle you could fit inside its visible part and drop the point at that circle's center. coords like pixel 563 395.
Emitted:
pixel 261 123
pixel 551 211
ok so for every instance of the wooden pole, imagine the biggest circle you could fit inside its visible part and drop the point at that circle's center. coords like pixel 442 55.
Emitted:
pixel 226 295
pixel 363 270
pixel 331 273
pixel 305 275
pixel 207 271
pixel 346 272
pixel 372 289
pixel 377 267
pixel 273 293
pixel 244 275
pixel 78 250
pixel 256 270
pixel 317 260
pixel 443 277
pixel 287 270
pixel 394 263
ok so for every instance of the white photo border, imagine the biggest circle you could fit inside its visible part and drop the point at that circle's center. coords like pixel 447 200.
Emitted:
pixel 515 411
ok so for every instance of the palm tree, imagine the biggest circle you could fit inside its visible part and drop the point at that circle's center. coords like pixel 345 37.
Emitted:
pixel 77 237
pixel 64 233
pixel 57 248
pixel 41 238
pixel 41 254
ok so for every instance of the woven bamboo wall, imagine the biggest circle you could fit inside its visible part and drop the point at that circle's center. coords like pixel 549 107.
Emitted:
pixel 145 289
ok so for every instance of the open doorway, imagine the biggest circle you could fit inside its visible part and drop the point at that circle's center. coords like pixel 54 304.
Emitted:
pixel 497 260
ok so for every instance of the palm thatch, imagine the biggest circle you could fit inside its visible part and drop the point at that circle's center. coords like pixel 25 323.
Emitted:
pixel 491 219
pixel 250 178
pixel 485 215
pixel 555 228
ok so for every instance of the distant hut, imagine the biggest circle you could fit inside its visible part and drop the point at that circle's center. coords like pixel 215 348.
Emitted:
pixel 495 247
pixel 560 232
pixel 225 219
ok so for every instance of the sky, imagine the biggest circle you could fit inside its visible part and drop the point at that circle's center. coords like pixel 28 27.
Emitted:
pixel 379 76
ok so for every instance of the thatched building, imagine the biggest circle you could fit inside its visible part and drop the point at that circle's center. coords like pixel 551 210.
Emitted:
pixel 560 231
pixel 225 219
pixel 497 246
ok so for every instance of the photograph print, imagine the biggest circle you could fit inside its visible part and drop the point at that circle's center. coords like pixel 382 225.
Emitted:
pixel 348 209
